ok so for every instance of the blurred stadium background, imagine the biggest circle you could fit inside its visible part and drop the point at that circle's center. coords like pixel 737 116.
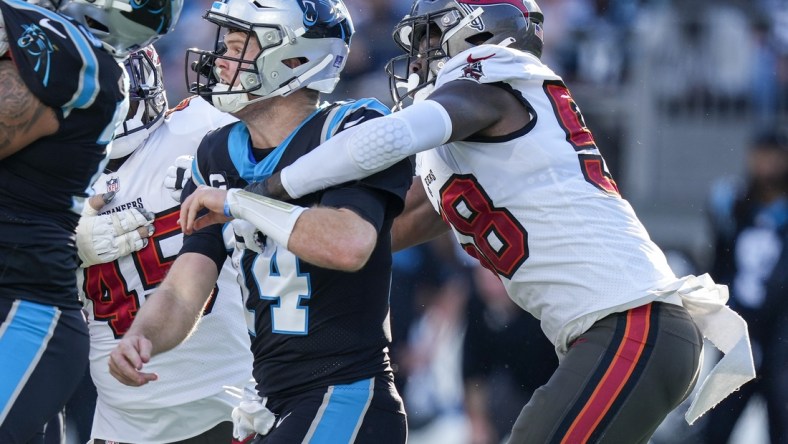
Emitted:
pixel 673 90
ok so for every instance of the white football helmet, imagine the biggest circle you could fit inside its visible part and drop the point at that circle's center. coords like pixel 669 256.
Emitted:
pixel 317 33
pixel 48 4
pixel 123 25
pixel 146 93
pixel 461 25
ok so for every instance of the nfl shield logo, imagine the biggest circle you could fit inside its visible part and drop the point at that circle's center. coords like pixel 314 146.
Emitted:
pixel 113 185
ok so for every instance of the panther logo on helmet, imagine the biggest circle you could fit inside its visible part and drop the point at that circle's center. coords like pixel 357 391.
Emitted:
pixel 311 14
pixel 326 18
pixel 124 25
pixel 315 33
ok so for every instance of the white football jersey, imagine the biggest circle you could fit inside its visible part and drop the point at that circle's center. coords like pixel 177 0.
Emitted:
pixel 217 354
pixel 539 206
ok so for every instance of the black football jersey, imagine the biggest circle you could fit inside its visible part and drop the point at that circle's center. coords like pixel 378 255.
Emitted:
pixel 43 187
pixel 311 327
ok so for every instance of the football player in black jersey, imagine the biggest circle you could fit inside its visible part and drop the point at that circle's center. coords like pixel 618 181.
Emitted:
pixel 317 299
pixel 62 93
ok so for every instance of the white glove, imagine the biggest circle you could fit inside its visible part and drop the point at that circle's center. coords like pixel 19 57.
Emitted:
pixel 102 239
pixel 248 236
pixel 251 416
pixel 178 175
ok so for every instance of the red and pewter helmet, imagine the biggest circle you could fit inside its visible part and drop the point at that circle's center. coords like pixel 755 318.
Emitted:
pixel 461 24
pixel 148 102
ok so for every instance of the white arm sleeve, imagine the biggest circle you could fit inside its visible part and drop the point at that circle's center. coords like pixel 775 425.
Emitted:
pixel 368 148
pixel 273 217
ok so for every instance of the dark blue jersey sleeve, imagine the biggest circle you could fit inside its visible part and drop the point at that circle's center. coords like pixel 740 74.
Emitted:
pixel 211 157
pixel 56 57
pixel 43 186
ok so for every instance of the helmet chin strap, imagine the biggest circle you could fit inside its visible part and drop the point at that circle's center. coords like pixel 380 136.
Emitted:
pixel 232 103
pixel 410 85
pixel 507 41
pixel 229 103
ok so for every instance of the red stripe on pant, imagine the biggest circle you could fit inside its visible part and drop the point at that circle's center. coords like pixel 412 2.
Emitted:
pixel 246 440
pixel 615 378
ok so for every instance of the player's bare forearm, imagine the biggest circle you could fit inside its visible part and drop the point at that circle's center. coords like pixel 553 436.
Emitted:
pixel 419 222
pixel 203 197
pixel 172 311
pixel 23 118
pixel 165 320
pixel 271 187
pixel 333 238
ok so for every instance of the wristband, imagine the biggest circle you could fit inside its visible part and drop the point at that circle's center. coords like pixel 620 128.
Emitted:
pixel 274 218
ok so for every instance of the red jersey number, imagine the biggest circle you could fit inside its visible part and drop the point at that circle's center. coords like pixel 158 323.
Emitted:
pixel 579 136
pixel 500 242
pixel 105 285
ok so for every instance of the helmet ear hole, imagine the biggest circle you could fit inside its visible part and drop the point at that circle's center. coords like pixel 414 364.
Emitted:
pixel 479 38
pixel 295 62
pixel 94 24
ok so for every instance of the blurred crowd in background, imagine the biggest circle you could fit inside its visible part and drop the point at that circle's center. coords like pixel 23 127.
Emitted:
pixel 679 94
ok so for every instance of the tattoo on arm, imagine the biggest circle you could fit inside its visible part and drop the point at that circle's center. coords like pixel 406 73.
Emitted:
pixel 23 118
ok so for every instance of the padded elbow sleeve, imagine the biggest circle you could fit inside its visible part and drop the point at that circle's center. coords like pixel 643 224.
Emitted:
pixel 388 140
pixel 368 148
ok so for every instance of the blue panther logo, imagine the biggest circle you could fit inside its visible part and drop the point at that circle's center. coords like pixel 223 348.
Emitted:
pixel 157 15
pixel 325 18
pixel 37 44
pixel 310 12
pixel 320 11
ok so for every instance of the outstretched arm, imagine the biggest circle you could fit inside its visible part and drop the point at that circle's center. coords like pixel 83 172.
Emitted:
pixel 166 318
pixel 23 118
pixel 368 148
pixel 453 112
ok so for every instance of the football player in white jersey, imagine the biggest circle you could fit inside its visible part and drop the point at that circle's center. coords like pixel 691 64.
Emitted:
pixel 190 402
pixel 518 176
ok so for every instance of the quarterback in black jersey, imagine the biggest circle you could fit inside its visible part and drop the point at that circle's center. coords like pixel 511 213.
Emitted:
pixel 317 301
pixel 62 93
